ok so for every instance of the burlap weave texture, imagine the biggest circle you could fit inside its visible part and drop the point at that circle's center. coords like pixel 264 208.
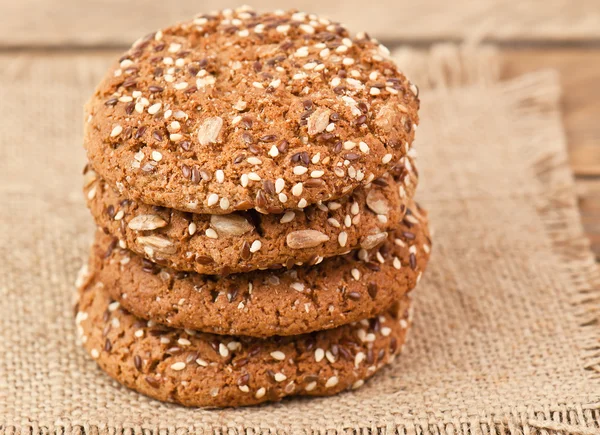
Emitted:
pixel 506 336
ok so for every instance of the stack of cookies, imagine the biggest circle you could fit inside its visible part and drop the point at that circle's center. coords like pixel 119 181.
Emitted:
pixel 251 176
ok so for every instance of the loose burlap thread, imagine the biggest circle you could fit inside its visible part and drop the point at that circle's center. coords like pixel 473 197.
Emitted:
pixel 506 334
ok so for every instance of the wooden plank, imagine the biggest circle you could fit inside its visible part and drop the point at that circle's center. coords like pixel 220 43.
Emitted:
pixel 116 22
pixel 579 70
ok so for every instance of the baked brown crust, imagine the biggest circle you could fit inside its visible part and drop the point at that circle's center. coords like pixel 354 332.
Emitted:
pixel 197 369
pixel 337 291
pixel 245 241
pixel 235 111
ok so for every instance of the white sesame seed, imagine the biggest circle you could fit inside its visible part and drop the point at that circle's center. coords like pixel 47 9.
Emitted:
pixel 258 85
pixel 347 42
pixel 156 156
pixel 278 355
pixel 114 306
pixel 336 81
pixel 355 274
pixel 331 382
pixel 116 131
pixel 324 53
pixel 211 234
pixel 348 61
pixel 311 386
pixel 319 354
pixel 375 91
pixel 302 203
pixel 275 83
pixel 253 176
pixel 310 65
pixel 243 33
pixel 360 357
pixel 256 245
pixel 95 353
pixel 382 218
pixel 363 147
pixel 224 203
pixel 299 76
pixel 192 228
pixel 152 110
pixel 300 170
pixel 330 127
pixel 174 47
pixel 213 198
pixel 287 217
pixel 341 49
pixel 178 366
pixel 358 384
pixel 244 180
pixel 386 159
pixel 274 152
pixel 317 174
pixel 283 198
pixel 181 86
pixel 201 362
pixel 347 221
pixel 120 214
pixel 284 28
pixel 244 388
pixel 298 286
pixel 219 175
pixel 260 392
pixel 301 52
pixel 254 160
pixel 184 342
pixel 280 377
pixel 343 238
pixel 279 185
pixel 385 331
pixel 297 189
pixel 333 222
pixel 348 145
pixel 223 351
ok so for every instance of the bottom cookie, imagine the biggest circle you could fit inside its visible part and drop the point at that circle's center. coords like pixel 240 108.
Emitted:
pixel 208 370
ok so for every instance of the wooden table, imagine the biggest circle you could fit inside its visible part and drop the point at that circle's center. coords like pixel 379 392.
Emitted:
pixel 579 68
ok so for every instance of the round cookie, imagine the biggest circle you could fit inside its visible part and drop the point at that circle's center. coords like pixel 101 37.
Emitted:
pixel 236 110
pixel 244 241
pixel 198 369
pixel 337 291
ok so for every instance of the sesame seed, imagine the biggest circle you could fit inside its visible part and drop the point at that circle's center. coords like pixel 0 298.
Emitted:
pixel 258 85
pixel 224 203
pixel 355 274
pixel 174 47
pixel 120 214
pixel 181 86
pixel 114 306
pixel 156 156
pixel 116 131
pixel 386 159
pixel 341 49
pixel 301 52
pixel 260 392
pixel 311 386
pixel 254 176
pixel 297 189
pixel 348 61
pixel 324 53
pixel 358 384
pixel 278 355
pixel 178 366
pixel 184 342
pixel 275 83
pixel 223 351
pixel 284 28
pixel 375 91
pixel 279 185
pixel 310 65
pixel 317 174
pixel 283 197
pixel 274 152
pixel 280 377
pixel 330 127
pixel 319 354
pixel 254 160
pixel 244 180
pixel 211 234
pixel 219 175
pixel 244 388
pixel 287 217
pixel 201 362
pixel 95 353
pixel 348 145
pixel 192 228
pixel 333 222
pixel 382 218
pixel 244 33
pixel 302 203
pixel 256 245
pixel 298 286
pixel 336 81
pixel 342 238
pixel 385 331
pixel 213 198
pixel 354 208
pixel 152 110
pixel 331 382
pixel 300 170
pixel 360 357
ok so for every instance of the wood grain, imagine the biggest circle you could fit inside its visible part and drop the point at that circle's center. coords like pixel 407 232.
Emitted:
pixel 46 23
pixel 579 70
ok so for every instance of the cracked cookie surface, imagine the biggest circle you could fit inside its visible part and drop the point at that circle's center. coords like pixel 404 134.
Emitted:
pixel 238 110
pixel 337 291
pixel 245 241
pixel 206 370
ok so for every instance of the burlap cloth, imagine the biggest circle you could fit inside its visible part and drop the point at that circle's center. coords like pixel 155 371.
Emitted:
pixel 506 336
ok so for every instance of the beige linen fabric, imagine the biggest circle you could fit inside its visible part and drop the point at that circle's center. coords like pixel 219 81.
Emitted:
pixel 506 335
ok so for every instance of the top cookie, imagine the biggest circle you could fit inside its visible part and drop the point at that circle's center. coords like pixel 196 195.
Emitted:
pixel 236 110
